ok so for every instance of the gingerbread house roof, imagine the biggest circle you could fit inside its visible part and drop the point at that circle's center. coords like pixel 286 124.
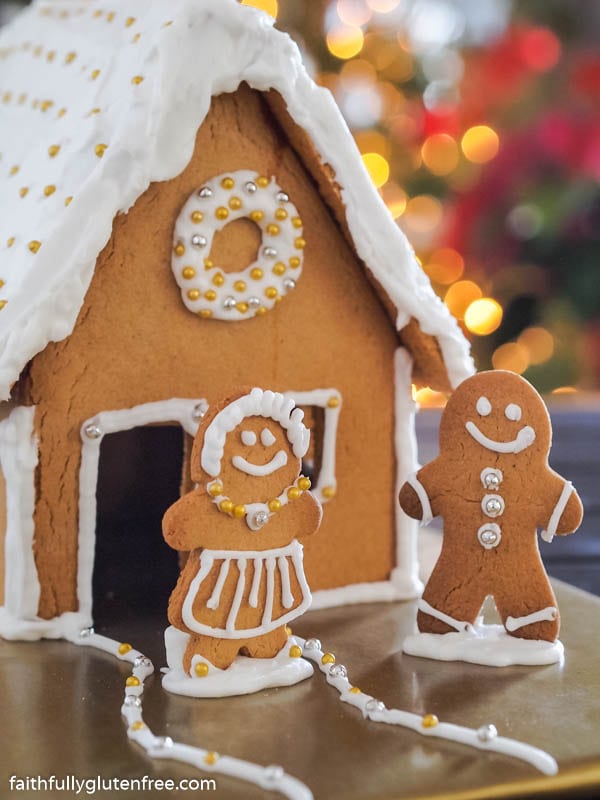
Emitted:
pixel 96 103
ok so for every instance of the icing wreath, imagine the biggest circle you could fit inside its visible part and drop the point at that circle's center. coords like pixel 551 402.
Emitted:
pixel 209 291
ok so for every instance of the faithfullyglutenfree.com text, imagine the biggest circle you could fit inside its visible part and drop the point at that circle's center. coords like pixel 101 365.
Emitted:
pixel 97 784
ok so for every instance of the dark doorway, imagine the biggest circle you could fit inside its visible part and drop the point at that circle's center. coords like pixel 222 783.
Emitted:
pixel 135 571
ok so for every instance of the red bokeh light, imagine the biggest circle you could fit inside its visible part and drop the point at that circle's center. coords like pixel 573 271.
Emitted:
pixel 540 49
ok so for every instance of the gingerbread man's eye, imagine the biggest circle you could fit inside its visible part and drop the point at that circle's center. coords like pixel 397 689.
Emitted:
pixel 513 412
pixel 267 437
pixel 484 407
pixel 248 437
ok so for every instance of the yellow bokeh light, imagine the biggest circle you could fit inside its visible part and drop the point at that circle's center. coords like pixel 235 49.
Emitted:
pixel 270 6
pixel 357 70
pixel 564 390
pixel 373 142
pixel 377 167
pixel 539 344
pixel 345 41
pixel 440 154
pixel 512 356
pixel 445 265
pixel 382 6
pixel 480 144
pixel 483 316
pixel 423 214
pixel 353 13
pixel 460 296
pixel 428 398
pixel 395 199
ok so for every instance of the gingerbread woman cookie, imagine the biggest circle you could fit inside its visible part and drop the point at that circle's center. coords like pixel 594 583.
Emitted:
pixel 243 581
pixel 493 487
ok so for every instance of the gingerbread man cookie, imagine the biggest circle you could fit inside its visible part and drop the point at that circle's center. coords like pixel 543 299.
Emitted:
pixel 493 487
pixel 243 581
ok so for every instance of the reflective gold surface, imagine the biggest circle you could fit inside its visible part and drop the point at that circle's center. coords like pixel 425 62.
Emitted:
pixel 61 715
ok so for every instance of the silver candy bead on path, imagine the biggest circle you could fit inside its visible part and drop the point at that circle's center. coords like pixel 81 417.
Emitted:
pixel 492 481
pixel 229 303
pixel 163 741
pixel 205 192
pixel 312 644
pixel 273 773
pixel 198 412
pixel 253 302
pixel 282 197
pixel 374 705
pixel 85 633
pixel 486 733
pixel 260 518
pixel 92 431
pixel 132 701
pixel 269 252
pixel 199 241
pixel 338 671
pixel 493 507
pixel 142 661
pixel 289 284
pixel 250 187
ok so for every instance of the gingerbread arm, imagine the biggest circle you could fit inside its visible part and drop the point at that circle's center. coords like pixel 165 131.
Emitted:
pixel 566 514
pixel 312 513
pixel 185 523
pixel 415 495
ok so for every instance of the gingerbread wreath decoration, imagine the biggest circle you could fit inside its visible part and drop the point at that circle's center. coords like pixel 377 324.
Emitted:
pixel 493 487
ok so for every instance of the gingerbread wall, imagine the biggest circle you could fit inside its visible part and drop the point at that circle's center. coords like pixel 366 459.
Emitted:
pixel 135 342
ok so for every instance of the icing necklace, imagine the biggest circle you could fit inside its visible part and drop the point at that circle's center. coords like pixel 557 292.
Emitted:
pixel 257 514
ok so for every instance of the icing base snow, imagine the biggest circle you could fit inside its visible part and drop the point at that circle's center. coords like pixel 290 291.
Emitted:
pixel 244 676
pixel 488 645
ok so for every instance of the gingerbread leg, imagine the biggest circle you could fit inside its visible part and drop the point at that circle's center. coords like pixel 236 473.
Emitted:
pixel 529 610
pixel 449 604
pixel 266 646
pixel 220 652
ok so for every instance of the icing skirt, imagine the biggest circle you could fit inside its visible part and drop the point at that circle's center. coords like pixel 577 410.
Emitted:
pixel 242 594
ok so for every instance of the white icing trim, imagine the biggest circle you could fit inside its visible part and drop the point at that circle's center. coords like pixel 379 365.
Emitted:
pixel 321 399
pixel 183 411
pixel 271 559
pixel 278 461
pixel 483 406
pixel 19 458
pixel 163 747
pixel 427 608
pixel 399 587
pixel 377 712
pixel 416 484
pixel 267 438
pixel 550 532
pixel 237 295
pixel 547 614
pixel 513 412
pixel 259 403
pixel 524 438
pixel 31 630
pixel 248 438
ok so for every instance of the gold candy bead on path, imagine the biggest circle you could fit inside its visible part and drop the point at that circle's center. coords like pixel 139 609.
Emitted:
pixel 304 483
pixel 215 489
pixel 197 216
pixel 132 680
pixel 222 212
pixel 288 630
pixel 194 294
pixel 294 262
pixel 256 216
pixel 273 229
pixel 271 292
pixel 328 492
pixel 34 246
pixel 138 725
pixel 205 313
pixel 262 181
pixel 328 658
pixel 281 214
pixel 235 203
pixel 201 669
pixel 293 493
pixel 355 690
pixel 333 401
pixel 296 222
pixel 429 721
pixel 278 269
pixel 274 506
pixel 242 307
pixel 240 286
pixel 211 758
pixel 295 651
pixel 188 273
pixel 179 249
pixel 228 183
pixel 210 295
pixel 124 647
pixel 218 279
pixel 300 243
pixel 239 511
pixel 256 274
pixel 226 506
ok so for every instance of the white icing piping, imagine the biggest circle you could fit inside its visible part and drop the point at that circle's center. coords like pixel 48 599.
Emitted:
pixel 376 711
pixel 547 614
pixel 211 48
pixel 322 398
pixel 278 461
pixel 550 532
pixel 271 778
pixel 258 403
pixel 416 484
pixel 272 559
pixel 19 458
pixel 525 438
pixel 184 411
pixel 267 438
pixel 459 625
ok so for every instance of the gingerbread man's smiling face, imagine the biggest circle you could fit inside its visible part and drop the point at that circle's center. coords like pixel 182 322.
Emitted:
pixel 258 461
pixel 496 413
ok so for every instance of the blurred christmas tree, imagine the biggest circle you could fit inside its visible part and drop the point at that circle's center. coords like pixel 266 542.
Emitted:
pixel 479 122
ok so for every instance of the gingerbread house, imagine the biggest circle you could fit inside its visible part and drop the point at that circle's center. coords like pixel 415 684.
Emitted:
pixel 184 211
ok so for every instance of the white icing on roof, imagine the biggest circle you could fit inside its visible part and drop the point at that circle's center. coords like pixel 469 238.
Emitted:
pixel 77 78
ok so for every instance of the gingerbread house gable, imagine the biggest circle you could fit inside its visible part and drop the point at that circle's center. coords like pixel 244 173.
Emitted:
pixel 98 105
